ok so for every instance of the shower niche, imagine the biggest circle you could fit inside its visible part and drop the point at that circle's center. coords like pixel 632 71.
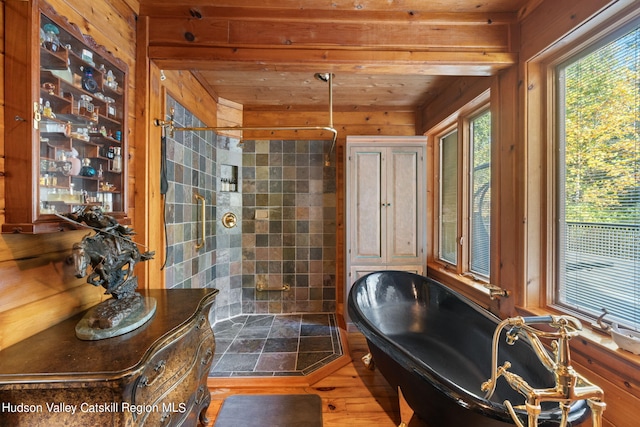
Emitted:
pixel 228 180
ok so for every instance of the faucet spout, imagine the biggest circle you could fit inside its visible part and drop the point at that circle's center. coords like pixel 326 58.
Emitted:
pixel 569 385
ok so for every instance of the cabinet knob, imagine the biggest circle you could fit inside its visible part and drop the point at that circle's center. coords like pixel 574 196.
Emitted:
pixel 201 321
pixel 200 396
pixel 207 357
pixel 158 371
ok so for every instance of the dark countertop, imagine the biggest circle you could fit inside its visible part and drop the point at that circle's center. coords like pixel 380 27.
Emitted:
pixel 56 353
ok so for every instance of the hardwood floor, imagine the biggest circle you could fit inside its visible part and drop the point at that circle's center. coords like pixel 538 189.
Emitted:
pixel 351 396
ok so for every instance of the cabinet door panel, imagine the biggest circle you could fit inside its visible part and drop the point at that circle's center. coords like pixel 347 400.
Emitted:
pixel 404 175
pixel 366 181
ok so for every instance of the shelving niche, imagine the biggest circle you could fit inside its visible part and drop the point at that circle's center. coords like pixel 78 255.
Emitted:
pixel 65 108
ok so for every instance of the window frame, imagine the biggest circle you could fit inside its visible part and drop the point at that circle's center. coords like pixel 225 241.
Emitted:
pixel 438 252
pixel 470 224
pixel 559 143
pixel 543 142
pixel 460 122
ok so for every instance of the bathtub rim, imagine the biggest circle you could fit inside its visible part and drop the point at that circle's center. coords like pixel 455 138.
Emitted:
pixel 464 398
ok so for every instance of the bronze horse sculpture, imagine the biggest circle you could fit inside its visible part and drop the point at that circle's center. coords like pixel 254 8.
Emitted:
pixel 112 259
pixel 112 256
pixel 110 253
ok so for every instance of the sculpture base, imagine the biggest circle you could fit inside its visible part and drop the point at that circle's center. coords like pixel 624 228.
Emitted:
pixel 112 317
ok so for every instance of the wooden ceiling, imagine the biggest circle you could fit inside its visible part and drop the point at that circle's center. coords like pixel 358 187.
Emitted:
pixel 392 54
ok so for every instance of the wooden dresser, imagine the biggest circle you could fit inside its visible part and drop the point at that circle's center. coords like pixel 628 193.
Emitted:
pixel 154 376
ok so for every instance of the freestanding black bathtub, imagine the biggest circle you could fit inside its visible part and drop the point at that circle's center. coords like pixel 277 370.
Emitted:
pixel 435 345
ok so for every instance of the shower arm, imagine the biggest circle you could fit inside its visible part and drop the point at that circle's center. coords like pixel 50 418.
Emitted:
pixel 325 77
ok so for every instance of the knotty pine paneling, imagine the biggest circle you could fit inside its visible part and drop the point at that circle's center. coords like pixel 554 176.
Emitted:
pixel 2 113
pixel 37 286
pixel 230 114
pixel 457 95
pixel 554 19
pixel 112 24
pixel 186 89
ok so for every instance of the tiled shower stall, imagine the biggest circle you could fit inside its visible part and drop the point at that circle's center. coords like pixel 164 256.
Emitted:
pixel 285 202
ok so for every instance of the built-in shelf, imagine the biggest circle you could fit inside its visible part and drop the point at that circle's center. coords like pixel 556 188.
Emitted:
pixel 228 181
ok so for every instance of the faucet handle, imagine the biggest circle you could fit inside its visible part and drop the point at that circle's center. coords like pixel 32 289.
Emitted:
pixel 568 324
pixel 490 384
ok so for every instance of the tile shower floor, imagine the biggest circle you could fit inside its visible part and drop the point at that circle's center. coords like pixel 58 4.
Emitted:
pixel 275 344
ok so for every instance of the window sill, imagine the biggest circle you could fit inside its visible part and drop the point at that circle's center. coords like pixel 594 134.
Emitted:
pixel 466 286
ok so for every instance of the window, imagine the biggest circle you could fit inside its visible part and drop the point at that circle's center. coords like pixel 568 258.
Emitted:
pixel 448 223
pixel 480 195
pixel 598 180
pixel 463 243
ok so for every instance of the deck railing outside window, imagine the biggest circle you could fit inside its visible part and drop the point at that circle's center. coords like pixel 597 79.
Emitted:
pixel 601 266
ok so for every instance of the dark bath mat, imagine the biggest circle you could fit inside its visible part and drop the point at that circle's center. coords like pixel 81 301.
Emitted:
pixel 271 410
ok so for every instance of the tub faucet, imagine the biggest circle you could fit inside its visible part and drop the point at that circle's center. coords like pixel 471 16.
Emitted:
pixel 569 385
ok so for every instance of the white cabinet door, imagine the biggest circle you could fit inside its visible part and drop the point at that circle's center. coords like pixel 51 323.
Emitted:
pixel 367 236
pixel 404 223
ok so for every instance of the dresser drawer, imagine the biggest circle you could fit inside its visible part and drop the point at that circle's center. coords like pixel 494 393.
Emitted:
pixel 168 413
pixel 185 394
pixel 171 362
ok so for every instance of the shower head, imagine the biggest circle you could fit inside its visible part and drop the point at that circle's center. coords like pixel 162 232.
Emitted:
pixel 323 77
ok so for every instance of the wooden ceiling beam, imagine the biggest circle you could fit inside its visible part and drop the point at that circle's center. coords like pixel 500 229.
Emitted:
pixel 337 61
pixel 342 6
pixel 330 34
pixel 208 11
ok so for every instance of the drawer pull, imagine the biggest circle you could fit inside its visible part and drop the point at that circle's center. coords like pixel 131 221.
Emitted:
pixel 158 371
pixel 207 357
pixel 201 321
pixel 165 419
pixel 200 395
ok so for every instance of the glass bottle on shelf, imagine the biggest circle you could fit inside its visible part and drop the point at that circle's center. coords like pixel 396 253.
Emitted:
pixel 51 40
pixel 116 163
pixel 111 81
pixel 85 107
pixel 47 111
pixel 76 164
pixel 87 169
pixel 88 82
